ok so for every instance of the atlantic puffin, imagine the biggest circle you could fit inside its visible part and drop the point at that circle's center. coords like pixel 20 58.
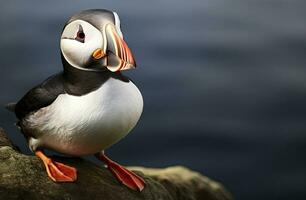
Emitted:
pixel 90 105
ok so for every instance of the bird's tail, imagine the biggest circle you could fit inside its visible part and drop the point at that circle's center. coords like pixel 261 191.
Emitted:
pixel 10 106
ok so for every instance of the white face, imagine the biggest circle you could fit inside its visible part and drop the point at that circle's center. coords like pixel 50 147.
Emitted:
pixel 79 40
pixel 93 49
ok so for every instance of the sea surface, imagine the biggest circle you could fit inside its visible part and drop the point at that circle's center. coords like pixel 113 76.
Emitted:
pixel 224 84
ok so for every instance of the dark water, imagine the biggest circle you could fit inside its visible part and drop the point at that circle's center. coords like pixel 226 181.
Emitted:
pixel 223 83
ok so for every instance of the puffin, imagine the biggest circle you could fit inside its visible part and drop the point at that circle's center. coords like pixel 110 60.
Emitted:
pixel 90 105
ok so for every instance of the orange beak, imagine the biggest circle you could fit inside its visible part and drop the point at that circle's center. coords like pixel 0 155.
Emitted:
pixel 119 55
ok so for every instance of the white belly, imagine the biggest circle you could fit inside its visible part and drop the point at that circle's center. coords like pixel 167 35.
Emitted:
pixel 83 125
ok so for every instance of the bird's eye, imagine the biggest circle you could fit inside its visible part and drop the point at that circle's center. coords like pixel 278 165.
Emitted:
pixel 80 35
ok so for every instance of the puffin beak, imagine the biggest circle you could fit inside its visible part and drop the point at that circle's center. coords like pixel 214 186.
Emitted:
pixel 119 55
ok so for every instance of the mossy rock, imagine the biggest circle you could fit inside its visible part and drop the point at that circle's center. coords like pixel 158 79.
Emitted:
pixel 24 177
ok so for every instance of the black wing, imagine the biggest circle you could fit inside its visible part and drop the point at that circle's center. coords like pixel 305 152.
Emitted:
pixel 40 96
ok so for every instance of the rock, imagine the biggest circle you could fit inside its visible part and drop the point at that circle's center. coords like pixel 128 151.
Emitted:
pixel 24 177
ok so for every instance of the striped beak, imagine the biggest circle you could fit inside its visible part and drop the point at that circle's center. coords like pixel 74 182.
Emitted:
pixel 119 55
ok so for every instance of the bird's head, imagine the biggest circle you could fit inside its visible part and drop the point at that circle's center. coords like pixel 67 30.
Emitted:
pixel 92 41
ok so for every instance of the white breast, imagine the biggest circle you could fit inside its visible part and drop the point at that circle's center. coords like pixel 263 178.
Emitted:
pixel 82 125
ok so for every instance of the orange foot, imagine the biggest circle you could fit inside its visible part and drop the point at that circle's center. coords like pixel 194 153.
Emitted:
pixel 58 172
pixel 126 177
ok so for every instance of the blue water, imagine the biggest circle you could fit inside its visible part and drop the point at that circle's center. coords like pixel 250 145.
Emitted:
pixel 224 84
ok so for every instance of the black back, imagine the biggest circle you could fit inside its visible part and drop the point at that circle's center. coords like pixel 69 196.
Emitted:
pixel 40 96
pixel 72 81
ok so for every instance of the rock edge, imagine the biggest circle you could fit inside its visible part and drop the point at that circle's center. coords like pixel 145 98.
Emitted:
pixel 24 177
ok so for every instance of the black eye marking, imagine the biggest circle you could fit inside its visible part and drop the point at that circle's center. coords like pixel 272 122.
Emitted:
pixel 80 35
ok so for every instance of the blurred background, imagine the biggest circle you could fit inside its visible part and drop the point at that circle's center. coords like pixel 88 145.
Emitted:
pixel 223 84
